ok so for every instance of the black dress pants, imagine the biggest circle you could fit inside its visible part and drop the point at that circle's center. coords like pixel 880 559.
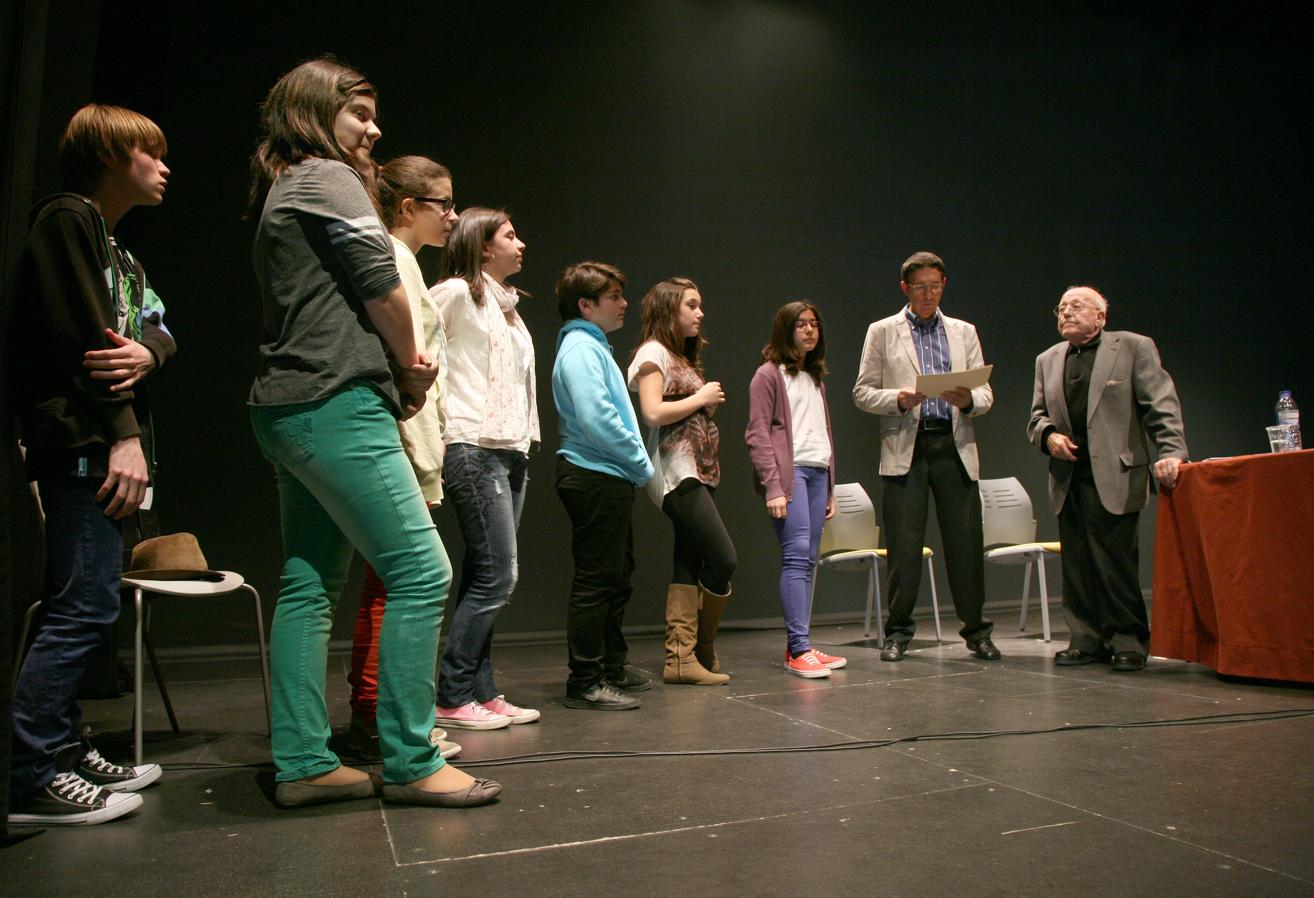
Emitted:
pixel 936 470
pixel 1101 574
pixel 601 508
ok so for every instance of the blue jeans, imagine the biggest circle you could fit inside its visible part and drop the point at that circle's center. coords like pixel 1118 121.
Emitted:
pixel 487 488
pixel 799 533
pixel 343 481
pixel 84 563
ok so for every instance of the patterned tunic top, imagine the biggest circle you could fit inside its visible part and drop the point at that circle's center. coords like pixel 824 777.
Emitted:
pixel 685 449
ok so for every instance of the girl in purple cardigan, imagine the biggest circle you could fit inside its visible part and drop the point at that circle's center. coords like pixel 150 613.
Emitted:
pixel 793 456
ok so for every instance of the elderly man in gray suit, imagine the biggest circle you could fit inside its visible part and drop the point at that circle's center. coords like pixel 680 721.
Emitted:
pixel 928 446
pixel 1107 414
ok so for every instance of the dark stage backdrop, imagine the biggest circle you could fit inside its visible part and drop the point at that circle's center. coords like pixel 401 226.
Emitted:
pixel 769 151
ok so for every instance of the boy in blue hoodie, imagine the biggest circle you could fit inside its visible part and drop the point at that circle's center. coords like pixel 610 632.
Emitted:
pixel 601 459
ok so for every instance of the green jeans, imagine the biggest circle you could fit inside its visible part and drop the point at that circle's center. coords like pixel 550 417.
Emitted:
pixel 344 481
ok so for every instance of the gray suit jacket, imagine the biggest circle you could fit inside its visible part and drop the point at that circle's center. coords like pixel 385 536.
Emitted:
pixel 889 364
pixel 1131 400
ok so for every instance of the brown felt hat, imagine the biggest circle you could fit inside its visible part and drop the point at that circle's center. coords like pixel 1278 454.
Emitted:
pixel 173 557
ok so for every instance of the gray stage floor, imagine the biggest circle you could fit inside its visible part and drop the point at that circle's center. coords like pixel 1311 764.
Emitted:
pixel 1221 808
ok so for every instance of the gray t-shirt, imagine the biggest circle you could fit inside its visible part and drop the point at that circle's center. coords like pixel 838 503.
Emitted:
pixel 320 252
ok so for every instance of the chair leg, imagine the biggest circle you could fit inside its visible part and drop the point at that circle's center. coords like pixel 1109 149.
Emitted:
pixel 264 654
pixel 935 597
pixel 137 634
pixel 874 598
pixel 1026 595
pixel 159 677
pixel 1044 599
pixel 21 647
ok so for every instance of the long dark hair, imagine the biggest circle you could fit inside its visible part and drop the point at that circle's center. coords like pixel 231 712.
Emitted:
pixel 661 322
pixel 463 256
pixel 297 118
pixel 782 351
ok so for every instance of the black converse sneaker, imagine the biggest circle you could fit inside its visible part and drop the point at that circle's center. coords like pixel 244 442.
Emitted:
pixel 69 799
pixel 99 772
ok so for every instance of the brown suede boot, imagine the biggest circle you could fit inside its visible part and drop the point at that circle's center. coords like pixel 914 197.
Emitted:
pixel 681 637
pixel 709 621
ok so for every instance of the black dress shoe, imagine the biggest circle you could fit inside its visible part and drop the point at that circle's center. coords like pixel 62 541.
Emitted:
pixel 600 697
pixel 984 649
pixel 627 679
pixel 894 651
pixel 1071 657
pixel 1127 661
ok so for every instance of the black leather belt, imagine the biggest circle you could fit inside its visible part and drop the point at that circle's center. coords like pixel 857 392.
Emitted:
pixel 935 425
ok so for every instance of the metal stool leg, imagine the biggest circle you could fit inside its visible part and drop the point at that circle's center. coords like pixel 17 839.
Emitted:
pixel 137 633
pixel 264 655
pixel 935 597
pixel 159 677
pixel 1044 598
pixel 1026 592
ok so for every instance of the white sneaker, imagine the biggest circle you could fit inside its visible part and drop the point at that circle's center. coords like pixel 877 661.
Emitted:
pixel 438 739
pixel 471 716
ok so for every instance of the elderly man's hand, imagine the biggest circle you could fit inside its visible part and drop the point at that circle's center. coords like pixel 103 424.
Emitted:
pixel 1165 471
pixel 909 399
pixel 959 397
pixel 1062 446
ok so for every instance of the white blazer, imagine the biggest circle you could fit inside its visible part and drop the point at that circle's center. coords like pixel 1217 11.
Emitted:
pixel 889 364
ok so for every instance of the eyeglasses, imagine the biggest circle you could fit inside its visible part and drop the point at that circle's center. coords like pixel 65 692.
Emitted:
pixel 444 203
pixel 807 324
pixel 1075 307
pixel 926 288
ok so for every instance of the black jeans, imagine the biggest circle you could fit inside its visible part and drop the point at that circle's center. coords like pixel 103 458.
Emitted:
pixel 704 552
pixel 1101 573
pixel 601 508
pixel 936 469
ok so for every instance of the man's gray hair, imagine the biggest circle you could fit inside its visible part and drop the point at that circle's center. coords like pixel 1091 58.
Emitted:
pixel 1086 294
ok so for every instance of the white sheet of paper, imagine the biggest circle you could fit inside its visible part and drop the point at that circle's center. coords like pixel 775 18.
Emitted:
pixel 935 384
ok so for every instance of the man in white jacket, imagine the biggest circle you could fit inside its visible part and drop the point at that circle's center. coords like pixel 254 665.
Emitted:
pixel 928 447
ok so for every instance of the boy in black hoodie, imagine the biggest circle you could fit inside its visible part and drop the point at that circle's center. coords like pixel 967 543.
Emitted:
pixel 86 332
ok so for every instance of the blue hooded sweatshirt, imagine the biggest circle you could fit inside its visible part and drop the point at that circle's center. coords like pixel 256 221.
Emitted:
pixel 599 429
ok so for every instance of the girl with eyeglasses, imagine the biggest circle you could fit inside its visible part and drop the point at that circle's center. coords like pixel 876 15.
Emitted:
pixel 677 404
pixel 793 455
pixel 491 420
pixel 340 366
pixel 417 207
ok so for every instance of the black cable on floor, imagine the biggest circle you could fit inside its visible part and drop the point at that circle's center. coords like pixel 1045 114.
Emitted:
pixel 848 745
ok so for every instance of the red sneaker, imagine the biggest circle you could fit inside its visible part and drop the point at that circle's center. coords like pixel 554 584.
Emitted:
pixel 807 665
pixel 833 662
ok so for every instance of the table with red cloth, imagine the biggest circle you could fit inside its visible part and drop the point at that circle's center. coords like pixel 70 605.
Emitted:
pixel 1234 567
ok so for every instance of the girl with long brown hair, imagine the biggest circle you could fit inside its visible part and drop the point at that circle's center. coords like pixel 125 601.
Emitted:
pixel 339 367
pixel 677 404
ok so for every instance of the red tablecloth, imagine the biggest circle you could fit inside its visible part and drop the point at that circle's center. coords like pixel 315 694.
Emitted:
pixel 1234 567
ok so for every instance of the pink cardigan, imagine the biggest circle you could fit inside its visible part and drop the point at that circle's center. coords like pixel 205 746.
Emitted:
pixel 770 434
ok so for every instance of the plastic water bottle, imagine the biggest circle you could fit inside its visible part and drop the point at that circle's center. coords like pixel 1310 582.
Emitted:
pixel 1287 412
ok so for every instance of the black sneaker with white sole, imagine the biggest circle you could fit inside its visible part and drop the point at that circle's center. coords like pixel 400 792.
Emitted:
pixel 69 799
pixel 99 772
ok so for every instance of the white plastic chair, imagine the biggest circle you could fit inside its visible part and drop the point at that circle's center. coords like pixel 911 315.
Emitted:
pixel 195 589
pixel 1011 529
pixel 849 542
